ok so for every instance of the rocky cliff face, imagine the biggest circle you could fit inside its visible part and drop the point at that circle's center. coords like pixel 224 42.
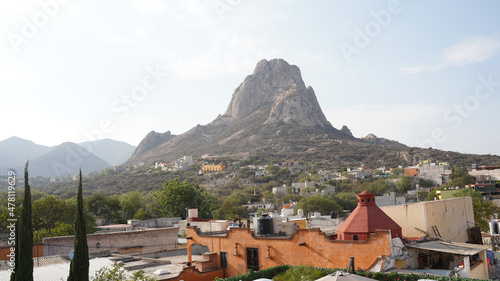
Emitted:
pixel 346 131
pixel 371 138
pixel 278 88
pixel 152 140
pixel 272 112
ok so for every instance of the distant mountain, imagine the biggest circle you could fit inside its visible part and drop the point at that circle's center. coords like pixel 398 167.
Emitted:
pixel 273 113
pixel 112 151
pixel 152 140
pixel 65 159
pixel 15 151
pixel 371 138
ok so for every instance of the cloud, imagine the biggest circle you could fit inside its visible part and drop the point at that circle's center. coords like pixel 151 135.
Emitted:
pixel 469 51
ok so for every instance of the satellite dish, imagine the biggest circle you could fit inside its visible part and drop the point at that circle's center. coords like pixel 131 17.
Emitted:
pixel 71 254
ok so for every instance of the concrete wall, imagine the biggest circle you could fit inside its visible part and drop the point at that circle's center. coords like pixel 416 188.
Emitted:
pixel 138 241
pixel 159 222
pixel 318 251
pixel 495 174
pixel 389 200
pixel 452 217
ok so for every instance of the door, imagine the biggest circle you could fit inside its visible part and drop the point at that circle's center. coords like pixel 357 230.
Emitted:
pixel 253 259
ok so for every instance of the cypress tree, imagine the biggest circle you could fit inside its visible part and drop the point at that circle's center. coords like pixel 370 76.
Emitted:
pixel 24 267
pixel 79 268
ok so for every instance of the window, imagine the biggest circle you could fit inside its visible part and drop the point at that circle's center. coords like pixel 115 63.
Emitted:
pixel 355 238
pixel 253 259
pixel 368 199
pixel 223 259
pixel 363 200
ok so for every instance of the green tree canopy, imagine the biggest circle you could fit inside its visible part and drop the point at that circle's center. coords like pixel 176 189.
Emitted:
pixel 346 200
pixel 483 210
pixel 175 197
pixel 404 184
pixel 130 203
pixel 318 203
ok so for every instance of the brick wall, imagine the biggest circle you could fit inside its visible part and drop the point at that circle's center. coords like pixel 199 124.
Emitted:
pixel 5 251
pixel 272 251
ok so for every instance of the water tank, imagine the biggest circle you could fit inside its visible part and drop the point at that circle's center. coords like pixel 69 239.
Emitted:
pixel 493 227
pixel 300 213
pixel 277 223
pixel 333 214
pixel 264 225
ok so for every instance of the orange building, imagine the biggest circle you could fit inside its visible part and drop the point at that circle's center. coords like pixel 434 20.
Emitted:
pixel 239 250
pixel 411 172
pixel 207 168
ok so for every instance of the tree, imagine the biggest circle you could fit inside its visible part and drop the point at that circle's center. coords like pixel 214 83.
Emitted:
pixel 348 201
pixel 24 269
pixel 318 203
pixel 106 207
pixel 425 182
pixel 49 210
pixel 300 273
pixel 404 184
pixel 79 267
pixel 117 273
pixel 130 203
pixel 483 210
pixel 175 197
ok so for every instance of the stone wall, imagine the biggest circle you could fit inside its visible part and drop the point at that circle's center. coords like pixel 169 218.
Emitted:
pixel 129 242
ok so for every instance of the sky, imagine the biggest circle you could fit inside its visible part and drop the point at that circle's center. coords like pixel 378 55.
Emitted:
pixel 424 73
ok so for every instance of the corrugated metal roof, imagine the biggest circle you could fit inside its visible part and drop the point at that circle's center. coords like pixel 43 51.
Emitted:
pixel 448 247
pixel 55 272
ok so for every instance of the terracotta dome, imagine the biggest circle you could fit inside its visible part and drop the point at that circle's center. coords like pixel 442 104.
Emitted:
pixel 365 219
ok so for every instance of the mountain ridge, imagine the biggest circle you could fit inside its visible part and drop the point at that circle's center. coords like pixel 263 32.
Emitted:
pixel 271 111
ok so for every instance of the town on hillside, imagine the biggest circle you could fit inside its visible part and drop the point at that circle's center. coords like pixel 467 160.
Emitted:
pixel 241 215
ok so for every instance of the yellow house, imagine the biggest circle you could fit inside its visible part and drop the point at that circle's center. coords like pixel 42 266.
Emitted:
pixel 208 168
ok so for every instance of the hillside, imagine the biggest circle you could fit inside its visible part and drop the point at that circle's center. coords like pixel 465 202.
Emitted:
pixel 15 151
pixel 273 112
pixel 65 159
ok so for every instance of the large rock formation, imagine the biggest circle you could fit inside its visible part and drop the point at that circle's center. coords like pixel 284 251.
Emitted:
pixel 277 85
pixel 271 111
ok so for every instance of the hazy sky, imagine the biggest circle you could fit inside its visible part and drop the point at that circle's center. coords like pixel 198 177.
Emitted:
pixel 425 73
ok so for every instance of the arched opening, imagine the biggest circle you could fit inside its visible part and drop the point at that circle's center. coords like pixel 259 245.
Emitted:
pixel 355 238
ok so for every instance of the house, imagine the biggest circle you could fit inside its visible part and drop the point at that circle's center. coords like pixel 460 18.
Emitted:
pixel 209 168
pixel 240 249
pixel 437 172
pixel 366 219
pixel 389 200
pixel 449 219
pixel 444 258
pixel 411 171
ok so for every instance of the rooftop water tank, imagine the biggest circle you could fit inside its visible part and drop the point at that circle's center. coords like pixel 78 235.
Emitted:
pixel 264 225
pixel 300 212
